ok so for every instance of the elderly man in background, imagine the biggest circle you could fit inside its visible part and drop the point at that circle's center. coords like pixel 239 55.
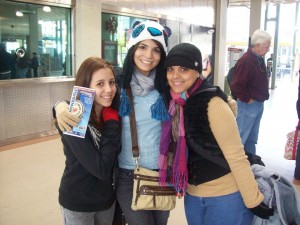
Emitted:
pixel 250 85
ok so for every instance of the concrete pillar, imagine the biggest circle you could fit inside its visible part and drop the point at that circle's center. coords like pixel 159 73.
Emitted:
pixel 220 44
pixel 88 30
pixel 33 36
pixel 257 15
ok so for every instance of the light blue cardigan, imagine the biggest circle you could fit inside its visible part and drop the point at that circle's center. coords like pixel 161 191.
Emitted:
pixel 148 134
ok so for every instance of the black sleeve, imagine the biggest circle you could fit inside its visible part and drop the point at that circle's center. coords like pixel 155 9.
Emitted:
pixel 53 112
pixel 98 162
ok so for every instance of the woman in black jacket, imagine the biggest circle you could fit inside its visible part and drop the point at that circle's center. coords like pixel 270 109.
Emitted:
pixel 86 192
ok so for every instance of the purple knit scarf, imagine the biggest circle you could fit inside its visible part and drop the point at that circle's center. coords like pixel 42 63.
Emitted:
pixel 178 175
pixel 179 166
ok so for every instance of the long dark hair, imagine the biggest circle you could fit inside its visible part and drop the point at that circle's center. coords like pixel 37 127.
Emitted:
pixel 84 77
pixel 160 80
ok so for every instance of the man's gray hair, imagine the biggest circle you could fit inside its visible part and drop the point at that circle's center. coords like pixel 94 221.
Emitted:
pixel 260 37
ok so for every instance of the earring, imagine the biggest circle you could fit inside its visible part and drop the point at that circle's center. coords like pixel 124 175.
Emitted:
pixel 198 75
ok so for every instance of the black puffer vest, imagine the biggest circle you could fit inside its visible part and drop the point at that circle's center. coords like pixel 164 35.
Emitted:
pixel 199 137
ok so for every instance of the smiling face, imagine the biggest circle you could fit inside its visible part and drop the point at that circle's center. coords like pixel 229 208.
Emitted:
pixel 103 81
pixel 146 56
pixel 262 49
pixel 180 78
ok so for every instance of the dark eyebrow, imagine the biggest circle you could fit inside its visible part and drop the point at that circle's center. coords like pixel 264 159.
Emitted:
pixel 156 47
pixel 142 44
pixel 104 79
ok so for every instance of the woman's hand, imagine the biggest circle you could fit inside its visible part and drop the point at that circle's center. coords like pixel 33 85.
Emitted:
pixel 65 119
pixel 232 104
pixel 262 211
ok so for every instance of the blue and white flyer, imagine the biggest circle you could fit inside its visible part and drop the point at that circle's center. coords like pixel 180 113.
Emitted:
pixel 81 104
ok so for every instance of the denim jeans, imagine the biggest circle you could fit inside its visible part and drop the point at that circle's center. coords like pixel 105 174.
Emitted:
pixel 248 121
pixel 88 218
pixel 228 210
pixel 124 187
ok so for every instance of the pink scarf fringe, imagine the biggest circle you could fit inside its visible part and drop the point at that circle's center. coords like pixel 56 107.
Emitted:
pixel 179 166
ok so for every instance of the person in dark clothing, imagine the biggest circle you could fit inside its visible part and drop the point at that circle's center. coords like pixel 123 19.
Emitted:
pixel 13 57
pixel 207 72
pixel 250 85
pixel 22 63
pixel 204 131
pixel 86 192
pixel 34 63
pixel 297 168
pixel 144 74
pixel 270 68
pixel 5 63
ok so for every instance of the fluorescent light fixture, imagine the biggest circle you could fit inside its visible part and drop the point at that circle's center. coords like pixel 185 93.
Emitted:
pixel 19 13
pixel 211 31
pixel 46 9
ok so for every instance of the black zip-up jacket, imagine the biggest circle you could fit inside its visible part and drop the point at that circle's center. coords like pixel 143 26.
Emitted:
pixel 87 181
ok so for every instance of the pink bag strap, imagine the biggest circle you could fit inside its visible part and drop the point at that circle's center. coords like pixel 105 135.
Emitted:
pixel 295 140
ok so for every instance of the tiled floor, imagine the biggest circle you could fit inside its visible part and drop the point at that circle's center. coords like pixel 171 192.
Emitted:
pixel 30 174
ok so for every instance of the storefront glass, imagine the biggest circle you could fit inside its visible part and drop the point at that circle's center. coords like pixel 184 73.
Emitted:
pixel 116 30
pixel 37 39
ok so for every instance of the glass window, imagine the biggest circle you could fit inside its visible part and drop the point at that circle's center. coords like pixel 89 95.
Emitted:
pixel 116 30
pixel 271 11
pixel 35 40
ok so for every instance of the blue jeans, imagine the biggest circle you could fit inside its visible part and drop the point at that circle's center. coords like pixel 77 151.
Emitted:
pixel 124 187
pixel 248 121
pixel 228 210
pixel 88 218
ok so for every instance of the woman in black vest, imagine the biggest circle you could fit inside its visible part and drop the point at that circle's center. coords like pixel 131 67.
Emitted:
pixel 215 175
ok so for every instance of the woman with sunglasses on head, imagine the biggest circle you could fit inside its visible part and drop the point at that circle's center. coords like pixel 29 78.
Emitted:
pixel 86 192
pixel 144 75
pixel 220 186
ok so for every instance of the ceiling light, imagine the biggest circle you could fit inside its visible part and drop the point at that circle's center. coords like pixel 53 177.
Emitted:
pixel 210 31
pixel 46 9
pixel 19 13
